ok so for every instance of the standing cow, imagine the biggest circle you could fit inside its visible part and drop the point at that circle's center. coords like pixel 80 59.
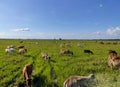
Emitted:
pixel 22 50
pixel 68 52
pixel 27 72
pixel 45 56
pixel 113 59
pixel 88 51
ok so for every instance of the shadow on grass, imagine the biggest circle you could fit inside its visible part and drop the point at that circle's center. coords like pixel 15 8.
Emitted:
pixel 40 81
pixel 27 55
pixel 20 85
pixel 53 61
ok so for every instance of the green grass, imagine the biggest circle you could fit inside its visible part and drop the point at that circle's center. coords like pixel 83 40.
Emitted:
pixel 61 66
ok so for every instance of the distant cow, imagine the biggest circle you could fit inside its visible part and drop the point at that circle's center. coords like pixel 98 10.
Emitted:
pixel 22 51
pixel 78 81
pixel 10 49
pixel 63 51
pixel 45 56
pixel 68 44
pixel 88 51
pixel 27 71
pixel 101 42
pixel 80 45
pixel 19 47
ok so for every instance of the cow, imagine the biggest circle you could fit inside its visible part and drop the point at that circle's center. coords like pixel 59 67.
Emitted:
pixel 80 45
pixel 22 51
pixel 101 42
pixel 78 81
pixel 10 49
pixel 45 56
pixel 88 51
pixel 27 72
pixel 112 51
pixel 68 44
pixel 113 59
pixel 21 46
pixel 63 51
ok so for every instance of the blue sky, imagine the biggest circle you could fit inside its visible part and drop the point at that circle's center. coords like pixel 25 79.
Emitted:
pixel 53 19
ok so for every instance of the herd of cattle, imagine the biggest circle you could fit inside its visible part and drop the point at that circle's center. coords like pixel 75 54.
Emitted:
pixel 11 49
pixel 72 81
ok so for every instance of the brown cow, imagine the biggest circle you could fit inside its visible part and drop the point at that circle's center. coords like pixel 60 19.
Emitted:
pixel 63 51
pixel 27 71
pixel 45 56
pixel 22 51
pixel 78 81
pixel 21 46
pixel 113 59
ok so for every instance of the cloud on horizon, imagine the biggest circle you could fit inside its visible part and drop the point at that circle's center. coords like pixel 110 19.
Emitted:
pixel 111 33
pixel 21 29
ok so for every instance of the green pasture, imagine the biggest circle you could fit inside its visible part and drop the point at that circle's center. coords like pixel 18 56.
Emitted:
pixel 61 66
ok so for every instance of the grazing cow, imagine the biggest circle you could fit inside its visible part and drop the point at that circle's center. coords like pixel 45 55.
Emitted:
pixel 88 51
pixel 114 43
pixel 21 41
pixel 19 47
pixel 101 42
pixel 63 51
pixel 62 45
pixel 27 71
pixel 68 44
pixel 10 49
pixel 22 51
pixel 78 81
pixel 113 59
pixel 45 56
pixel 80 45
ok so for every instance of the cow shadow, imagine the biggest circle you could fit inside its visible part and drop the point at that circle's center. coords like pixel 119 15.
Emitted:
pixel 40 81
pixel 53 61
pixel 20 85
pixel 27 55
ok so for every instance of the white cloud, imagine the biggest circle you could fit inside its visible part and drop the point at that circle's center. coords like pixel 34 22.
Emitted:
pixel 2 33
pixel 113 31
pixel 21 29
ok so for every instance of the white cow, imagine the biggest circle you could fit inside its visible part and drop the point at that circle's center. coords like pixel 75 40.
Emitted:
pixel 10 49
pixel 78 81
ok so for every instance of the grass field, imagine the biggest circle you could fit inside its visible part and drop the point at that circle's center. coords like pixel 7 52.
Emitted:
pixel 60 66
